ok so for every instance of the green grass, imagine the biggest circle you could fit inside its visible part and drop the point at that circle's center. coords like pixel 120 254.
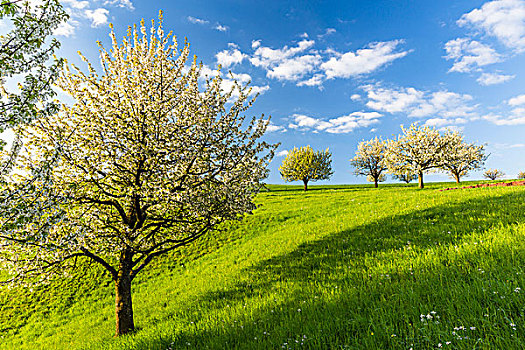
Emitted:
pixel 338 267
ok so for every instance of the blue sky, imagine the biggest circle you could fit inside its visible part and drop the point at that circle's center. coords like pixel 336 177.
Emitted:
pixel 334 73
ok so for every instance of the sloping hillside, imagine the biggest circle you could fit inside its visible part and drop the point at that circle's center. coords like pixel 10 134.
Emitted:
pixel 335 267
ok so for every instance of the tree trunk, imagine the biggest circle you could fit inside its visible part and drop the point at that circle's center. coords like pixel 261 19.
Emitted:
pixel 456 176
pixel 420 178
pixel 123 304
pixel 305 185
pixel 375 183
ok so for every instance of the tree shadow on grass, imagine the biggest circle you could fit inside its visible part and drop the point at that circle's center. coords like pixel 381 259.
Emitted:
pixel 364 309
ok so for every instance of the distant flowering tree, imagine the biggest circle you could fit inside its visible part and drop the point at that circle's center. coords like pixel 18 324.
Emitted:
pixel 368 160
pixel 405 177
pixel 145 161
pixel 462 157
pixel 417 150
pixel 304 164
pixel 521 175
pixel 493 174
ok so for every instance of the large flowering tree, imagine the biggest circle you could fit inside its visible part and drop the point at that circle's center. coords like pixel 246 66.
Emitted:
pixel 417 150
pixel 145 161
pixel 304 164
pixel 368 160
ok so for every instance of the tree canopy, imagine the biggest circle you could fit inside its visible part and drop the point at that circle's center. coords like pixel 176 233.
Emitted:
pixel 368 160
pixel 462 157
pixel 304 164
pixel 417 150
pixel 146 160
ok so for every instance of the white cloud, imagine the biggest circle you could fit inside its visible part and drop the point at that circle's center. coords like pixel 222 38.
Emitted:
pixel 283 153
pixel 443 122
pixel 316 80
pixel 355 97
pixel 76 4
pixel 339 125
pixel 502 120
pixel 294 68
pixel 98 16
pixel 363 61
pixel 285 63
pixel 120 3
pixel 453 107
pixel 276 128
pixel 390 100
pixel 220 27
pixel 517 101
pixel 493 78
pixel 66 29
pixel 196 20
pixel 508 145
pixel 328 31
pixel 469 54
pixel 230 57
pixel 242 79
pixel 502 19
pixel 266 57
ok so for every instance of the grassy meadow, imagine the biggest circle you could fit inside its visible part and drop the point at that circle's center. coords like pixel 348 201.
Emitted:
pixel 337 267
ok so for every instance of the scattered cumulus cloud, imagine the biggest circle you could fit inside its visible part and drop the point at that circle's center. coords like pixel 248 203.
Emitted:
pixel 220 27
pixel 80 11
pixel 316 80
pixel 469 54
pixel 286 63
pixel 98 16
pixel 230 57
pixel 440 105
pixel 506 120
pixel 283 153
pixel 276 128
pixel 127 4
pixel 77 4
pixel 363 61
pixel 355 97
pixel 328 31
pixel 339 125
pixel 517 101
pixel 306 66
pixel 493 78
pixel 502 19
pixel 66 29
pixel 196 20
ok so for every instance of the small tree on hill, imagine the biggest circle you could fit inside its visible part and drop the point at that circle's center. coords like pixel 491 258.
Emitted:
pixel 145 161
pixel 462 157
pixel 493 174
pixel 405 177
pixel 521 175
pixel 417 150
pixel 304 164
pixel 368 160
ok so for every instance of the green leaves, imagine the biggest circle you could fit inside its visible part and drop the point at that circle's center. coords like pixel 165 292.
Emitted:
pixel 305 164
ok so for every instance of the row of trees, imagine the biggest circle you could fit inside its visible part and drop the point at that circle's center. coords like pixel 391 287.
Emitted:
pixel 418 150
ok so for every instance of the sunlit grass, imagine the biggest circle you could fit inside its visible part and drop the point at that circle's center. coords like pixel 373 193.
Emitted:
pixel 335 267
